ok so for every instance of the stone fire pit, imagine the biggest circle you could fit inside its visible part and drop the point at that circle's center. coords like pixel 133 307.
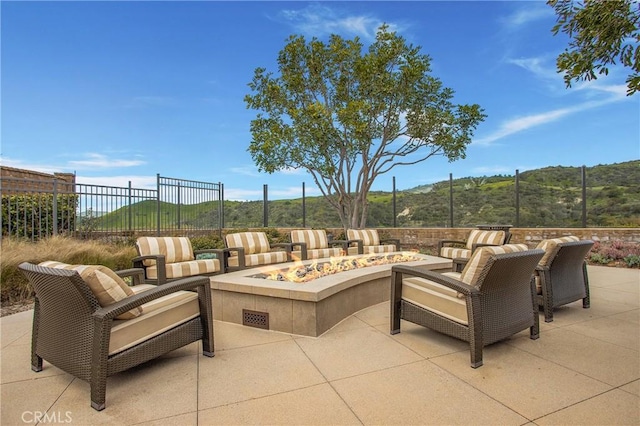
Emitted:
pixel 309 308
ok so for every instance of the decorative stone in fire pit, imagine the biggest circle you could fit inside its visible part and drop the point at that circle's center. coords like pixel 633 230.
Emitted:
pixel 309 308
pixel 301 273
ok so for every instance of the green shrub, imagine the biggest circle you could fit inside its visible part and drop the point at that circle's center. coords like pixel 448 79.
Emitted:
pixel 203 242
pixel 632 261
pixel 599 258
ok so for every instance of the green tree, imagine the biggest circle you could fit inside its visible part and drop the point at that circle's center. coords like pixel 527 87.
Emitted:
pixel 347 117
pixel 602 33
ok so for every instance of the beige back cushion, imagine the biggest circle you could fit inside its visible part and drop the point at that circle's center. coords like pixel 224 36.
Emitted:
pixel 174 249
pixel 369 237
pixel 105 284
pixel 315 239
pixel 252 242
pixel 478 261
pixel 549 247
pixel 478 236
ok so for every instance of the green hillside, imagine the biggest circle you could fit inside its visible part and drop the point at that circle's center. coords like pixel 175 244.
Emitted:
pixel 549 197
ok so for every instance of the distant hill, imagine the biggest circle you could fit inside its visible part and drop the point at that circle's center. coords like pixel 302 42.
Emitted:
pixel 549 197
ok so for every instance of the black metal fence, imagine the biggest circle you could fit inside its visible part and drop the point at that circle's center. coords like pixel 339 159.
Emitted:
pixel 37 208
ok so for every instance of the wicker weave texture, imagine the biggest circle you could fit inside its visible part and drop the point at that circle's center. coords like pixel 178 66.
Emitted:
pixel 500 305
pixel 71 330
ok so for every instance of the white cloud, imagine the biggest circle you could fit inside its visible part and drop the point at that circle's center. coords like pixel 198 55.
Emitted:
pixel 101 161
pixel 320 20
pixel 138 182
pixel 534 11
pixel 538 67
pixel 91 161
pixel 245 171
pixel 595 92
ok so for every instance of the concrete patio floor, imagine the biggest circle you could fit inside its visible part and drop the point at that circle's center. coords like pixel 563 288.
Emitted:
pixel 584 369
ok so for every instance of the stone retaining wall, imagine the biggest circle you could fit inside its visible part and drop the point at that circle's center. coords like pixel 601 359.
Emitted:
pixel 422 238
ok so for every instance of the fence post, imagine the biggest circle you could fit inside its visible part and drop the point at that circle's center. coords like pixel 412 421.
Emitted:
pixel 55 207
pixel 130 218
pixel 304 208
pixel 395 225
pixel 517 198
pixel 179 203
pixel 158 205
pixel 221 207
pixel 265 206
pixel 584 196
pixel 451 199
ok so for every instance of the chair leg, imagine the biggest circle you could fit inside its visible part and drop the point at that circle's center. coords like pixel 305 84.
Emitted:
pixel 395 302
pixel 98 394
pixel 476 337
pixel 476 355
pixel 36 362
pixel 586 302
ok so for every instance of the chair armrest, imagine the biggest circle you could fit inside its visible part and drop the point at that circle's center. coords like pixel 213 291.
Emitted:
pixel 110 312
pixel 221 254
pixel 160 265
pixel 218 252
pixel 359 244
pixel 394 241
pixel 476 245
pixel 343 243
pixel 136 275
pixel 287 246
pixel 239 253
pixel 441 243
pixel 444 280
pixel 303 249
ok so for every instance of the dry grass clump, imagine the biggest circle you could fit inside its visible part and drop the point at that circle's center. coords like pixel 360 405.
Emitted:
pixel 16 288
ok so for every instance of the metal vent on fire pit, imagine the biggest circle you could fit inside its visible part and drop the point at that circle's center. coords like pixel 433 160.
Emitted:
pixel 255 319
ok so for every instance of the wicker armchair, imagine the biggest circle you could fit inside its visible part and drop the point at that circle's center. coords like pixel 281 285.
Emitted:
pixel 316 244
pixel 367 241
pixel 461 251
pixel 250 249
pixel 76 331
pixel 561 275
pixel 170 258
pixel 492 299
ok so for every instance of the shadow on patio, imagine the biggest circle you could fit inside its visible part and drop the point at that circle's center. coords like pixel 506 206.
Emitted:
pixel 584 369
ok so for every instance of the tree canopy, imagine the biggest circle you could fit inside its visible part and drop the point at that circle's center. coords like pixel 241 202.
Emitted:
pixel 348 116
pixel 602 33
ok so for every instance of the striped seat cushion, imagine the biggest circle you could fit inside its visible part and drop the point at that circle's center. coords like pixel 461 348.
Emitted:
pixel 550 248
pixel 260 258
pixel 318 253
pixel 369 237
pixel 370 241
pixel 314 238
pixel 455 253
pixel 387 248
pixel 105 284
pixel 478 236
pixel 174 249
pixel 185 269
pixel 479 261
pixel 252 242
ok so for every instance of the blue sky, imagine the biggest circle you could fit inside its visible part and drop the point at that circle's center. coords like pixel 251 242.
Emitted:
pixel 121 91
